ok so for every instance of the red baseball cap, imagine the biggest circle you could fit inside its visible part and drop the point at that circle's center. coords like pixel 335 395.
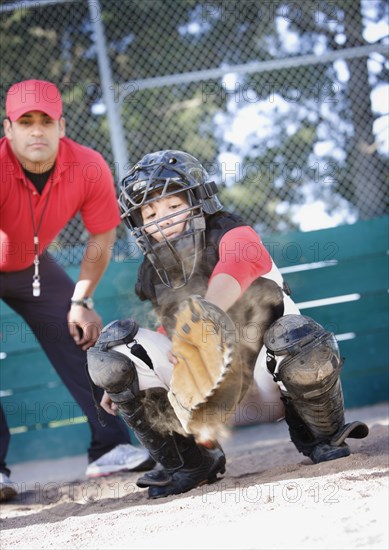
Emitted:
pixel 33 95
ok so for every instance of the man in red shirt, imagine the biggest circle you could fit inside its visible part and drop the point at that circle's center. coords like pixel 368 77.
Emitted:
pixel 46 179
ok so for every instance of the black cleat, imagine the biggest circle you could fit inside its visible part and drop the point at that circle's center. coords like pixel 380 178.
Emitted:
pixel 337 448
pixel 185 479
pixel 8 490
pixel 323 452
pixel 158 477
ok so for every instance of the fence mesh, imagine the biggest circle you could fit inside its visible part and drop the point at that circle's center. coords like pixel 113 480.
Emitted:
pixel 285 103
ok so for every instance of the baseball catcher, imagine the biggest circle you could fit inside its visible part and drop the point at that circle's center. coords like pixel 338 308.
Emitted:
pixel 226 322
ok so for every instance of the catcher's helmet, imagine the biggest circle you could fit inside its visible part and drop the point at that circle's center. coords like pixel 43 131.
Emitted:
pixel 161 175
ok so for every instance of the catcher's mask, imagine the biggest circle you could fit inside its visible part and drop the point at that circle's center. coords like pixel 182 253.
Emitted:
pixel 160 175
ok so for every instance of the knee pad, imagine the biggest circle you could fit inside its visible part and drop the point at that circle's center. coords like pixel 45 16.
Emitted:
pixel 109 369
pixel 303 356
pixel 306 363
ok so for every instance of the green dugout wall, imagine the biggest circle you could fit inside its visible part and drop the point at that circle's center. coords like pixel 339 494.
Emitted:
pixel 338 276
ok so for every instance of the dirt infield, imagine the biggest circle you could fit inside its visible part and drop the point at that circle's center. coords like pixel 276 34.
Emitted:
pixel 271 497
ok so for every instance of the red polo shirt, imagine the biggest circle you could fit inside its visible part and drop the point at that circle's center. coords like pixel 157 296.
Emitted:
pixel 82 182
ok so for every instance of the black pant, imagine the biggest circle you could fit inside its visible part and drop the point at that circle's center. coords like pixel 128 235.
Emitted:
pixel 50 310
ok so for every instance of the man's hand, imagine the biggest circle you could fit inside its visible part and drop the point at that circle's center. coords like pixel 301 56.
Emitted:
pixel 108 405
pixel 84 325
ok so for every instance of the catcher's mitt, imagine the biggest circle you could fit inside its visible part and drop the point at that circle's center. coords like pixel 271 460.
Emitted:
pixel 207 379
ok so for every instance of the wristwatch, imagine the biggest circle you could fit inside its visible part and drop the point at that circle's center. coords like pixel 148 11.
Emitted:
pixel 86 302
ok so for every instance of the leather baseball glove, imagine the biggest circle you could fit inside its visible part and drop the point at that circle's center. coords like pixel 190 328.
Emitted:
pixel 207 379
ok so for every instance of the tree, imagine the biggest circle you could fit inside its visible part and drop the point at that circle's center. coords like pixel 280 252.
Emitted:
pixel 298 134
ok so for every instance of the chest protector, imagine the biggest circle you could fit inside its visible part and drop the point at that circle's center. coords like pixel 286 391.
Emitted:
pixel 260 305
pixel 166 300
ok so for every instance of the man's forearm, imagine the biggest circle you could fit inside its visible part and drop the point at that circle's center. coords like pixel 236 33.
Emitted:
pixel 94 263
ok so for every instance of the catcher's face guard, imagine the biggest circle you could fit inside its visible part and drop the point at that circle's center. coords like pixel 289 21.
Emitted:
pixel 170 215
pixel 165 175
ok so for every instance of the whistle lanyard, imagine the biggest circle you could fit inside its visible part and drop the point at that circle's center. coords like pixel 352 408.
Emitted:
pixel 36 285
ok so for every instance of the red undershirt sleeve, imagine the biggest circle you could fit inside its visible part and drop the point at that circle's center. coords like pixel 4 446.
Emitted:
pixel 243 256
pixel 161 330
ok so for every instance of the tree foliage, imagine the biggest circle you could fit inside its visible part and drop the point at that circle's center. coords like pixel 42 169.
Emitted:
pixel 297 110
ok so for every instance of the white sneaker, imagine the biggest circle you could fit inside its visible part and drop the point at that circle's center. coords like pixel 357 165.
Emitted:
pixel 122 457
pixel 8 489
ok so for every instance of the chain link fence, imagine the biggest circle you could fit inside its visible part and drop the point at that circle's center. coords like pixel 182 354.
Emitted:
pixel 285 103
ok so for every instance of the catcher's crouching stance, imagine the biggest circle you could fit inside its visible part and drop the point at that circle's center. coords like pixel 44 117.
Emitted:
pixel 178 390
